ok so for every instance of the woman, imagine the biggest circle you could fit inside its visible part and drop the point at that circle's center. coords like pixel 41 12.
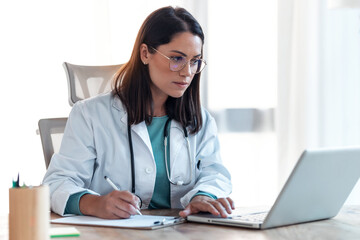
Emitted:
pixel 121 134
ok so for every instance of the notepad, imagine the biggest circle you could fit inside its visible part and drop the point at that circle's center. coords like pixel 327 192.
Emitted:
pixel 137 221
pixel 64 232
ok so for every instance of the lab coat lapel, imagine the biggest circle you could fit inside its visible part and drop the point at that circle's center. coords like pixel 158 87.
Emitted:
pixel 140 129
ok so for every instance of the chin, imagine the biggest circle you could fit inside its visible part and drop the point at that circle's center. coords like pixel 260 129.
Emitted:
pixel 177 94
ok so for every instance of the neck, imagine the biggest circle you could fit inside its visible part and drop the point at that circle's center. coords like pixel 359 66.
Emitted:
pixel 159 105
pixel 159 112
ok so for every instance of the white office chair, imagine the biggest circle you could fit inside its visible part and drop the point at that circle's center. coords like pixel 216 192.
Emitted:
pixel 83 82
pixel 51 131
pixel 88 81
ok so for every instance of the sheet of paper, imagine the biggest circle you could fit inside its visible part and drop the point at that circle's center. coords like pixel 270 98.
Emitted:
pixel 137 221
pixel 64 232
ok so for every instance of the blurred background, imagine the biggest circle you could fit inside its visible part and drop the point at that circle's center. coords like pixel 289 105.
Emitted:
pixel 282 76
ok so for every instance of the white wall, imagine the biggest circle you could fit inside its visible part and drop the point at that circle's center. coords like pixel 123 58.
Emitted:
pixel 36 38
pixel 39 35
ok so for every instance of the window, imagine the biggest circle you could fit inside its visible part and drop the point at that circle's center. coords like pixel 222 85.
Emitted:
pixel 242 83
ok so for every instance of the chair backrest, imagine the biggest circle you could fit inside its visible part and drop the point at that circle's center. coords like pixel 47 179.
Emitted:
pixel 51 132
pixel 88 81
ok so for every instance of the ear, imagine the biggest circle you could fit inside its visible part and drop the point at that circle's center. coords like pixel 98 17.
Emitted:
pixel 144 54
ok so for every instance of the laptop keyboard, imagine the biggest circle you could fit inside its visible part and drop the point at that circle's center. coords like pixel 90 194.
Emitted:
pixel 252 217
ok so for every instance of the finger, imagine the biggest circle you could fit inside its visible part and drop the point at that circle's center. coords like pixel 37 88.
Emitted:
pixel 112 211
pixel 128 197
pixel 120 200
pixel 186 212
pixel 219 207
pixel 134 200
pixel 126 207
pixel 204 206
pixel 195 207
pixel 138 202
pixel 232 203
pixel 119 213
pixel 225 203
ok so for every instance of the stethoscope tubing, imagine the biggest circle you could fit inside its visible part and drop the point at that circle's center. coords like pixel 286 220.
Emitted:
pixel 179 183
pixel 132 160
pixel 166 135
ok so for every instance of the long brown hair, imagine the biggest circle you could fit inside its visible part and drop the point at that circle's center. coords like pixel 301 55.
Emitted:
pixel 132 81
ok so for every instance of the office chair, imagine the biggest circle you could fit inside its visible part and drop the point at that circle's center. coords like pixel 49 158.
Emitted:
pixel 88 81
pixel 83 82
pixel 51 131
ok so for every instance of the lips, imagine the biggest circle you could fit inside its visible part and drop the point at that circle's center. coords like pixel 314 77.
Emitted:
pixel 182 84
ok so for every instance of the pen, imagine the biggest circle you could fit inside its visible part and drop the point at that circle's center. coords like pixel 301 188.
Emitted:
pixel 166 221
pixel 111 183
pixel 160 222
pixel 116 188
pixel 18 180
pixel 16 184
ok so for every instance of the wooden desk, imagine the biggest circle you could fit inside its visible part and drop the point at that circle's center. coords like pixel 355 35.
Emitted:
pixel 346 225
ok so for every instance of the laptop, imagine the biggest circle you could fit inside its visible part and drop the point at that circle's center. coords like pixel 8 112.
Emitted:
pixel 317 188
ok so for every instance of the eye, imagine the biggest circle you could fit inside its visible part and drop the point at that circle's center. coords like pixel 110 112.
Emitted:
pixel 195 61
pixel 178 59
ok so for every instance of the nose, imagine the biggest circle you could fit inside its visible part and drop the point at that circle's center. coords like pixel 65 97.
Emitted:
pixel 186 71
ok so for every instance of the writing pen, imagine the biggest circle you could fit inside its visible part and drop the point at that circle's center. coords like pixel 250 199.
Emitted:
pixel 116 188
pixel 16 184
pixel 166 221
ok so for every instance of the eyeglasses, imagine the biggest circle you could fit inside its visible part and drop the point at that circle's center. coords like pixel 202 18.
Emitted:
pixel 179 62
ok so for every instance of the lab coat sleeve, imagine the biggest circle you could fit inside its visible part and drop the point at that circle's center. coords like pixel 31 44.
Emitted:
pixel 214 178
pixel 70 171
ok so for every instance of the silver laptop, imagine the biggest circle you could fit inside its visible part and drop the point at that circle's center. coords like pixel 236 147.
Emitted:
pixel 316 189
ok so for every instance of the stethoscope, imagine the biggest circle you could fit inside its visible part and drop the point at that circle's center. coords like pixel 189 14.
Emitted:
pixel 166 135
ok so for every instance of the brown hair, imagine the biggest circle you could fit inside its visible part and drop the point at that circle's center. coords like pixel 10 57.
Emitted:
pixel 132 81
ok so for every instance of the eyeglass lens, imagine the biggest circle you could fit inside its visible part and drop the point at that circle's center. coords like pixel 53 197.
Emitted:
pixel 178 63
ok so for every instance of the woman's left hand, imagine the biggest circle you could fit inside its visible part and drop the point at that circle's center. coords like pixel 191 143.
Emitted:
pixel 201 203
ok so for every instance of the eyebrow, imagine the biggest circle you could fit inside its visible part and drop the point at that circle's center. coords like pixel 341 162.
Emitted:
pixel 176 51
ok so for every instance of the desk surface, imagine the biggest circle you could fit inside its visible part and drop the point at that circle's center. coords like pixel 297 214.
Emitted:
pixel 346 225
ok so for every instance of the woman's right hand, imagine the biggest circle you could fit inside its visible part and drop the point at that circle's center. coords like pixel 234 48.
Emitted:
pixel 116 204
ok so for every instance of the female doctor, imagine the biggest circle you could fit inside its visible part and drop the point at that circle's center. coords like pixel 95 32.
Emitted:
pixel 150 135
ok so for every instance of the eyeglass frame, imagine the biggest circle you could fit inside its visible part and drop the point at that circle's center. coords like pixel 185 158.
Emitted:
pixel 188 61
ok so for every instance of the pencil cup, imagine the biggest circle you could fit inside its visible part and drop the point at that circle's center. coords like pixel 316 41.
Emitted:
pixel 29 213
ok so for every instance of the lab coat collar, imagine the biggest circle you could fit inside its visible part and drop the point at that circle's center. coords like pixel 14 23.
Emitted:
pixel 141 128
pixel 117 104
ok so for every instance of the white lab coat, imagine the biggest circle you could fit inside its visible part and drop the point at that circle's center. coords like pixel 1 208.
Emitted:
pixel 95 144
